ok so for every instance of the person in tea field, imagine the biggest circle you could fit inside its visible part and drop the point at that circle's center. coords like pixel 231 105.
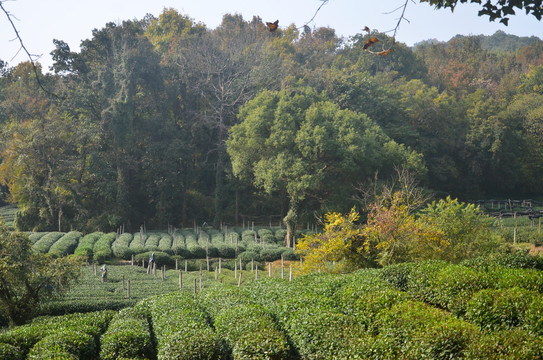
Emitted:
pixel 151 263
pixel 103 269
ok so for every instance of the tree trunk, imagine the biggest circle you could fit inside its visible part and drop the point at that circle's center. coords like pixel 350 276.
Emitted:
pixel 290 222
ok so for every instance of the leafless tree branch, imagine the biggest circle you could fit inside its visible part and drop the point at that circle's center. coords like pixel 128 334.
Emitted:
pixel 324 2
pixel 23 47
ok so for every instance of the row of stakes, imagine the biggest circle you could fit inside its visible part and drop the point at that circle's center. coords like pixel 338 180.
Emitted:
pixel 254 269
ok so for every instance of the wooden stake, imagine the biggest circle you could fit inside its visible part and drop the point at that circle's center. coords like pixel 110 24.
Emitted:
pixel 128 288
pixel 290 273
pixel 239 280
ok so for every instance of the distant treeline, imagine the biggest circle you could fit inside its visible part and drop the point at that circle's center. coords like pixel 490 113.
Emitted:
pixel 163 121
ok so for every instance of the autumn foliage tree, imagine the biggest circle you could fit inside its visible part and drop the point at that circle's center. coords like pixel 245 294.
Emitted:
pixel 338 248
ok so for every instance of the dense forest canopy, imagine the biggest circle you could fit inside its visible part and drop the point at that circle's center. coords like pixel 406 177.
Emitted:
pixel 162 121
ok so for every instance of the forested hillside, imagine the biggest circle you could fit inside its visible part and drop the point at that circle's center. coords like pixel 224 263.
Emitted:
pixel 162 121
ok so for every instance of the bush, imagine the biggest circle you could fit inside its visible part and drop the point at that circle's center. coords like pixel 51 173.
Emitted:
pixel 415 330
pixel 270 253
pixel 533 317
pixel 73 343
pixel 247 256
pixel 128 335
pixel 165 244
pixel 121 247
pixel 243 327
pixel 226 251
pixel 161 258
pixel 151 243
pixel 46 241
pixel 290 254
pixel 454 285
pixel 181 328
pixel 190 343
pixel 66 244
pixel 529 279
pixel 420 280
pixel 519 260
pixel 318 333
pixel 86 244
pixel 102 248
pixel 196 252
pixel 11 352
pixel 499 309
pixel 505 345
pixel 35 236
pixel 398 275
pixel 280 236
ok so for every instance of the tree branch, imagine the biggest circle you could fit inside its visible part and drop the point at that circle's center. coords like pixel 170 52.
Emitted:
pixel 23 47
pixel 324 2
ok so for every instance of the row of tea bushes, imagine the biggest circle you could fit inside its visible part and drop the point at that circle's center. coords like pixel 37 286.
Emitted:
pixel 128 336
pixel 261 245
pixel 181 328
pixel 75 336
pixel 452 286
pixel 247 330
pixel 370 314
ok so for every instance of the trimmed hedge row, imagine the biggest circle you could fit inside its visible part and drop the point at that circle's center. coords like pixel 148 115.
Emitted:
pixel 128 336
pixel 75 335
pixel 102 247
pixel 181 328
pixel 46 241
pixel 451 286
pixel 121 249
pixel 86 245
pixel 184 243
pixel 247 330
pixel 66 244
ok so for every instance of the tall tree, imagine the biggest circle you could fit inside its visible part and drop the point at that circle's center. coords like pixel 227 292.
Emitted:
pixel 300 144
pixel 224 68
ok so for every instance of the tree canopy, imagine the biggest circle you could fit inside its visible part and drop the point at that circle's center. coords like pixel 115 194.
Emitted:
pixel 162 121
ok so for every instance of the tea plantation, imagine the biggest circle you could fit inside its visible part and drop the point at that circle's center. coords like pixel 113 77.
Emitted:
pixel 479 309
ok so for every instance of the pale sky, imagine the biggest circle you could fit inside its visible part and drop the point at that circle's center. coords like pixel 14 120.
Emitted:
pixel 41 21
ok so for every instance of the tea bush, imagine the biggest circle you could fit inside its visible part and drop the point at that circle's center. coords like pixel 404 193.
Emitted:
pixel 46 241
pixel 102 248
pixel 66 244
pixel 414 330
pixel 76 343
pixel 128 336
pixel 121 246
pixel 181 328
pixel 165 244
pixel 250 332
pixel 499 309
pixel 512 344
pixel 86 245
